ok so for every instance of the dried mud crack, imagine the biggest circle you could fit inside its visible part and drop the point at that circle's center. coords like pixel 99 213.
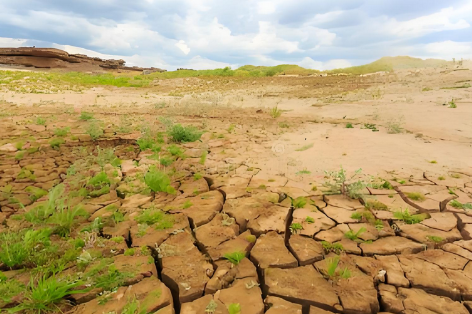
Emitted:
pixel 162 217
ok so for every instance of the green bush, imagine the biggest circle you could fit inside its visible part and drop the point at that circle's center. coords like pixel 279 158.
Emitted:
pixel 94 130
pixel 85 116
pixel 61 132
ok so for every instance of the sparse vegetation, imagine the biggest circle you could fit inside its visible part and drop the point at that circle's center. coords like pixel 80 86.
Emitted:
pixel 406 217
pixel 459 205
pixel 336 248
pixel 158 181
pixel 354 236
pixel 94 130
pixel 299 202
pixel 349 125
pixel 309 220
pixel 85 116
pixel 332 271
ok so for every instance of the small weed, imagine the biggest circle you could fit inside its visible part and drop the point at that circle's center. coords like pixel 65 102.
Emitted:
pixel 416 196
pixel 284 125
pixel 296 227
pixel 349 126
pixel 441 178
pixel 357 216
pixel 375 205
pixel 452 104
pixel 433 162
pixel 395 127
pixel 299 202
pixel 175 150
pixel 332 272
pixel 155 217
pixel 328 247
pixel 455 175
pixel 427 89
pixel 354 236
pixel 234 308
pixel 370 126
pixel 197 176
pixel 303 148
pixel 235 257
pixel 275 112
pixel 166 161
pixel 231 128
pixel 309 220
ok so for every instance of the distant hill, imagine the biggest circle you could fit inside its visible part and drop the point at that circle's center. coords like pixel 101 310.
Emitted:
pixel 288 69
pixel 391 64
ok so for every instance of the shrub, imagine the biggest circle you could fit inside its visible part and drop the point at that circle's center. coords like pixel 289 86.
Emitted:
pixel 179 133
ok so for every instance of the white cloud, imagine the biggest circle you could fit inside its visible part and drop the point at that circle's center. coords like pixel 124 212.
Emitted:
pixel 12 42
pixel 183 46
pixel 266 7
pixel 309 63
pixel 449 49
pixel 439 21
pixel 200 63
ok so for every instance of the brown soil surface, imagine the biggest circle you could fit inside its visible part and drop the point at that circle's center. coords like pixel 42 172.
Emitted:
pixel 252 185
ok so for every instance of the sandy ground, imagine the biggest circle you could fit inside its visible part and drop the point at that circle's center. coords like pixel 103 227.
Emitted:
pixel 430 130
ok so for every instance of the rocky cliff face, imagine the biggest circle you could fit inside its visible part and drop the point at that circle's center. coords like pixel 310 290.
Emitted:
pixel 55 58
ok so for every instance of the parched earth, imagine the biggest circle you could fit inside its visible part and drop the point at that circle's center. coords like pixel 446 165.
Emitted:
pixel 239 227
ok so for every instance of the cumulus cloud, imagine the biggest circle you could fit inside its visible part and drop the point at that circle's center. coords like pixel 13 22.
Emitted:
pixel 212 33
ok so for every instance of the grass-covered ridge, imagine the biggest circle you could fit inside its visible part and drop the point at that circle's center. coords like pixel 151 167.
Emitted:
pixel 47 82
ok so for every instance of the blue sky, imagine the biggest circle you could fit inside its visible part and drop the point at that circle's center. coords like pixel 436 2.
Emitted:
pixel 203 34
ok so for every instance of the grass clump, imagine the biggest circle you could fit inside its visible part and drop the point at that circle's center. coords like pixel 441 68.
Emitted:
pixel 416 196
pixel 349 126
pixel 375 205
pixel 175 150
pixel 85 116
pixel 235 257
pixel 406 217
pixel 179 133
pixel 303 148
pixel 158 181
pixel 302 172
